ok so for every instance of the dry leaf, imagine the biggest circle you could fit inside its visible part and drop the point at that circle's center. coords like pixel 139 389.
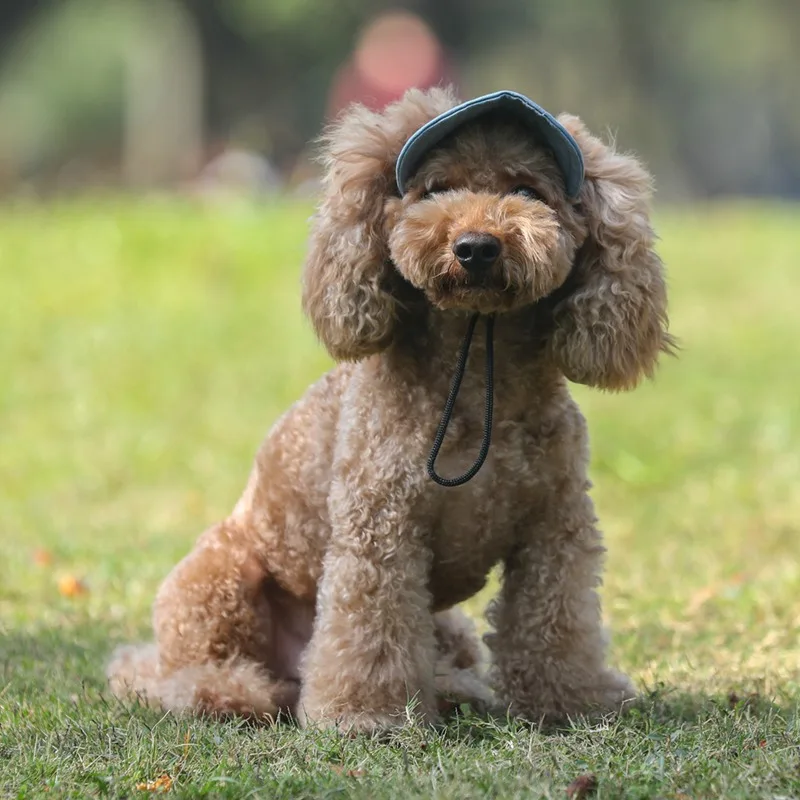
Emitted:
pixel 42 557
pixel 70 586
pixel 582 787
pixel 163 783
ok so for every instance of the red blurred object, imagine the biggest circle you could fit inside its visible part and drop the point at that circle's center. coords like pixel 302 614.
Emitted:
pixel 395 52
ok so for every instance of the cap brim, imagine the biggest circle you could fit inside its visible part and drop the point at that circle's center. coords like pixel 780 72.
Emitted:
pixel 544 126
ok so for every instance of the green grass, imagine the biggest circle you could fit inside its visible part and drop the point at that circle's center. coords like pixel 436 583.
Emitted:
pixel 146 347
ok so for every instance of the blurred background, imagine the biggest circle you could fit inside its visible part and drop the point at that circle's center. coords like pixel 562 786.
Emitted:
pixel 156 183
pixel 205 95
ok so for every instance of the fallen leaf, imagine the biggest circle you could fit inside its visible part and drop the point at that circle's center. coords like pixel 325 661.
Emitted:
pixel 42 557
pixel 70 586
pixel 582 787
pixel 163 783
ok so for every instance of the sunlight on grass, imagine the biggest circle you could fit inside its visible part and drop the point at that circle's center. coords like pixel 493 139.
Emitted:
pixel 146 348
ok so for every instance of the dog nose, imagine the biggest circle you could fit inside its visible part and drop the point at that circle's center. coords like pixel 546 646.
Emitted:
pixel 477 252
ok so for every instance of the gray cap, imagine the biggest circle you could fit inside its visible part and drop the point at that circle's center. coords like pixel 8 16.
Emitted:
pixel 544 126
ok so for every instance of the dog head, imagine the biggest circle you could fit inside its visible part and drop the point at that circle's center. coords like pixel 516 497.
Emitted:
pixel 485 224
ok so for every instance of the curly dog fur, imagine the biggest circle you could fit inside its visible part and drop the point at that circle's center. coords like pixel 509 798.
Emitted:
pixel 330 590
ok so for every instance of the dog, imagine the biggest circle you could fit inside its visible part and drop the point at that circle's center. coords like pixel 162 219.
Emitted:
pixel 330 592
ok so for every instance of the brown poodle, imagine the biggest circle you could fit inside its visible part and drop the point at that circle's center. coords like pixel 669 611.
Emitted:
pixel 329 591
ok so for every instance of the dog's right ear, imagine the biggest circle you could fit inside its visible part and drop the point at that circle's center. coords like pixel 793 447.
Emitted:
pixel 348 277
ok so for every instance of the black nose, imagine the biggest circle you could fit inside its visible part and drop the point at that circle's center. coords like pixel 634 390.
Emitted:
pixel 477 251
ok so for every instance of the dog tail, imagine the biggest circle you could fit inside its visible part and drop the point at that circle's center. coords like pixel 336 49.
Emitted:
pixel 133 672
pixel 236 687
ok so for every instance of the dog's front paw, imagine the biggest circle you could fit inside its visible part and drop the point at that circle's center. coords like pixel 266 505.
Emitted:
pixel 351 722
pixel 370 723
pixel 608 694
pixel 555 704
pixel 614 691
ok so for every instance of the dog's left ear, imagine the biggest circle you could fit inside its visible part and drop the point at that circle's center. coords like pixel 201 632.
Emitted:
pixel 349 284
pixel 612 326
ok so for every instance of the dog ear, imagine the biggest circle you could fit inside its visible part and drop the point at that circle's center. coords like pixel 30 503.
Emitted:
pixel 612 326
pixel 348 281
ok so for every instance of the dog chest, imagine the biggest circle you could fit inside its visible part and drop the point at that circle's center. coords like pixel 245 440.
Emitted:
pixel 475 526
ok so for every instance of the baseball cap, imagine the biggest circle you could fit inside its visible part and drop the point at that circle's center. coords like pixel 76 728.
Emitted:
pixel 543 125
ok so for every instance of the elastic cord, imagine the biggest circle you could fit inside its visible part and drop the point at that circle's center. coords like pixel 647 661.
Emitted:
pixel 451 401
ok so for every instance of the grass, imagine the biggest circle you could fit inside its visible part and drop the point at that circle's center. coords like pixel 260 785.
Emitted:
pixel 145 347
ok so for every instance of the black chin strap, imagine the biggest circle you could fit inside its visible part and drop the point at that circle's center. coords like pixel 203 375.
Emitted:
pixel 451 401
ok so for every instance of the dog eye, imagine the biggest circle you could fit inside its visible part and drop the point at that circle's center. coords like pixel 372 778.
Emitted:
pixel 431 190
pixel 527 191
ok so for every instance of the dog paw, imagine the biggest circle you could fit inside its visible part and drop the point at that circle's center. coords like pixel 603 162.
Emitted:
pixel 352 724
pixel 609 693
pixel 374 723
pixel 612 692
pixel 370 723
pixel 618 692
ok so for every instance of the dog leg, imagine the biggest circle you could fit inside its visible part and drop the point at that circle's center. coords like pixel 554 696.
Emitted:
pixel 549 646
pixel 235 687
pixel 214 637
pixel 373 649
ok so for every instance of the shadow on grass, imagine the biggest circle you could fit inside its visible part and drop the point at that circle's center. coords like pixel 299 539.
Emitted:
pixel 60 728
pixel 68 664
pixel 55 659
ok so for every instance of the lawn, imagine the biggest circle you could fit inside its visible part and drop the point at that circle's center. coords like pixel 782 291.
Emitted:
pixel 146 347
